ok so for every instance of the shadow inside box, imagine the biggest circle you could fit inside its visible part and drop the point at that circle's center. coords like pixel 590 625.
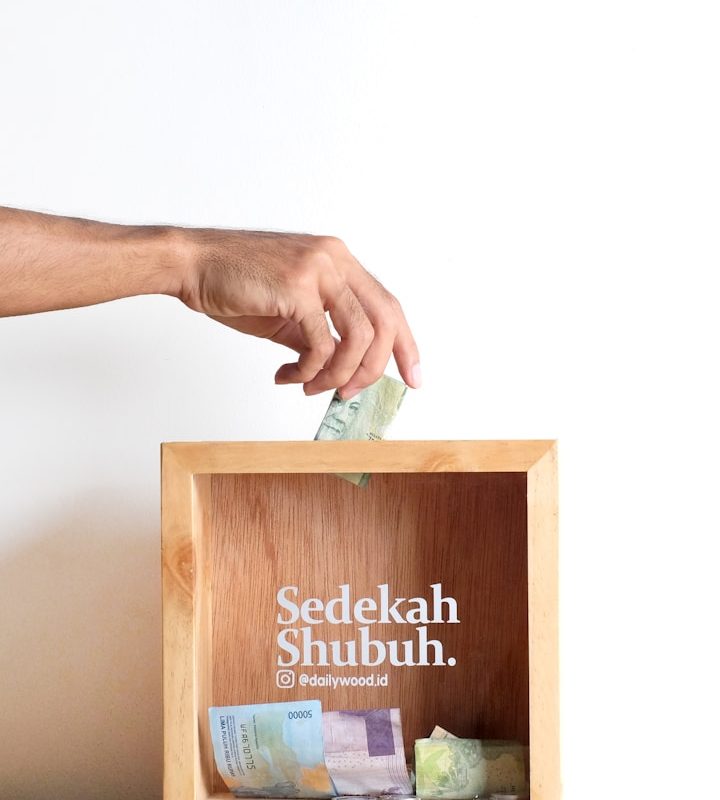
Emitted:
pixel 80 655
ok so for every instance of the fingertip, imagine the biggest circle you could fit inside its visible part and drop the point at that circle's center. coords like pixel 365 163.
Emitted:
pixel 411 374
pixel 416 376
pixel 407 358
pixel 285 374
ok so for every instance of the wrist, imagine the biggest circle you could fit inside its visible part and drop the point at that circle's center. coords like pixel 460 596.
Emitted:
pixel 170 259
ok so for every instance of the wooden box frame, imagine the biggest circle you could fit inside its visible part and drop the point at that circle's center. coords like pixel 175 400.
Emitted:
pixel 187 474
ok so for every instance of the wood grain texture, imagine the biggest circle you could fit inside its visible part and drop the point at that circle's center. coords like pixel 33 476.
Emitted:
pixel 179 703
pixel 466 531
pixel 384 456
pixel 224 507
pixel 202 629
pixel 543 628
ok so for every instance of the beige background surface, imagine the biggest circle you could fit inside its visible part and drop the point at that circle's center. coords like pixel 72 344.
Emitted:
pixel 536 181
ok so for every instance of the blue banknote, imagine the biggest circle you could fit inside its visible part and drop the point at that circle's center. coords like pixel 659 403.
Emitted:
pixel 271 749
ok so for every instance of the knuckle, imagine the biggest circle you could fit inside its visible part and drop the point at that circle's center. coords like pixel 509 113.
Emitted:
pixel 302 281
pixel 365 334
pixel 390 302
pixel 319 258
pixel 332 245
pixel 326 349
pixel 393 302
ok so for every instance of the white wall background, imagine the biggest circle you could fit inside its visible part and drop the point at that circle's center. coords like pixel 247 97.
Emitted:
pixel 538 182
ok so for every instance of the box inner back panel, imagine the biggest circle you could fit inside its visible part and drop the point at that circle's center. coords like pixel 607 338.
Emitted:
pixel 466 531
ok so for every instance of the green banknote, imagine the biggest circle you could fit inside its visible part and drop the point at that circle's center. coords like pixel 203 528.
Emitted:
pixel 441 733
pixel 365 416
pixel 271 749
pixel 459 769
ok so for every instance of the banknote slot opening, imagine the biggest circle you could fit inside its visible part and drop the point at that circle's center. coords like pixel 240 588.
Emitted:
pixel 298 578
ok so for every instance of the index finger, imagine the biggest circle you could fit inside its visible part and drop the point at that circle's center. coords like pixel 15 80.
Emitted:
pixel 380 304
pixel 356 336
pixel 320 346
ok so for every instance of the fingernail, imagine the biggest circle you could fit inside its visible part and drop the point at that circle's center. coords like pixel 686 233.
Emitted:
pixel 348 394
pixel 416 375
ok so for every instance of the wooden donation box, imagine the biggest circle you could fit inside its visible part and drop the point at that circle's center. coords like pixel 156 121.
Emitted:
pixel 432 589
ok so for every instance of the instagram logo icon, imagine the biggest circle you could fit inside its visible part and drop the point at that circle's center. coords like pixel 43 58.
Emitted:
pixel 285 679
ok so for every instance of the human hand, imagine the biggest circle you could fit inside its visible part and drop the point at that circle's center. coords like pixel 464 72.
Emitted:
pixel 279 286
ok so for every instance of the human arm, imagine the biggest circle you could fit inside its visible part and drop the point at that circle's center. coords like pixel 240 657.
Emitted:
pixel 277 286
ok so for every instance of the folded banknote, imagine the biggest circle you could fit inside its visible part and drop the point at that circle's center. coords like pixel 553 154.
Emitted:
pixel 458 769
pixel 365 416
pixel 441 733
pixel 271 749
pixel 364 752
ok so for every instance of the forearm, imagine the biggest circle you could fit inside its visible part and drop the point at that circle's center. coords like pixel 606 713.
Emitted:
pixel 49 263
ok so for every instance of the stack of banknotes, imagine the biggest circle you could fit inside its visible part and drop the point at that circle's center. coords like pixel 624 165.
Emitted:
pixel 295 750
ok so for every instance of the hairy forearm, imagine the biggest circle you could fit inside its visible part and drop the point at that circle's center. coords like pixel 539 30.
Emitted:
pixel 49 262
pixel 279 286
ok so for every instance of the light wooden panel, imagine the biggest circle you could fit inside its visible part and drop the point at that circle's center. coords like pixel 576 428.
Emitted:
pixel 432 456
pixel 180 708
pixel 543 628
pixel 466 531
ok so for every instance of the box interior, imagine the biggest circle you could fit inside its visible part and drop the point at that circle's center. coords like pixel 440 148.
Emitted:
pixel 260 533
